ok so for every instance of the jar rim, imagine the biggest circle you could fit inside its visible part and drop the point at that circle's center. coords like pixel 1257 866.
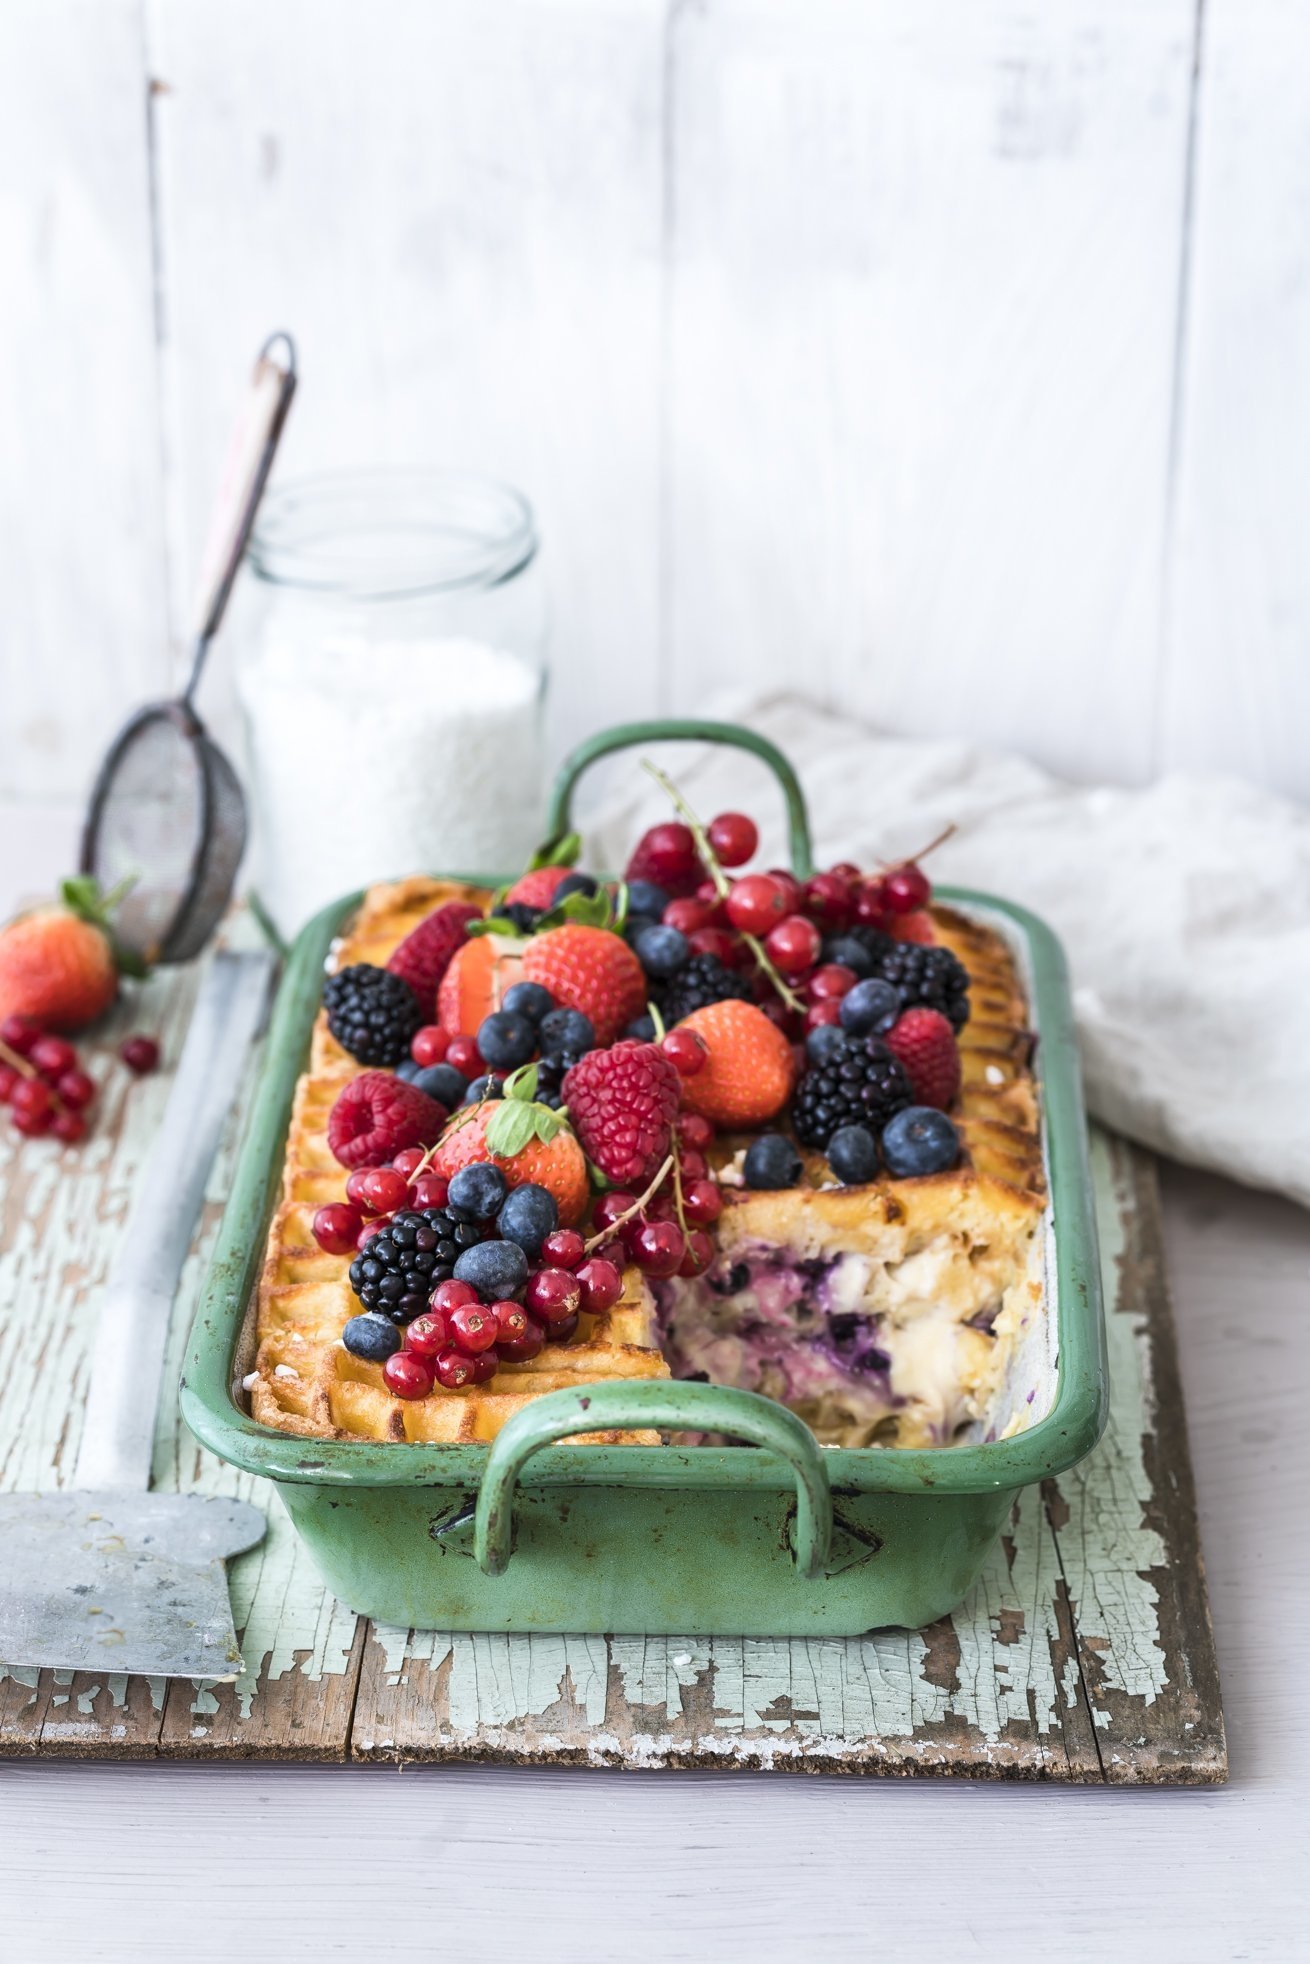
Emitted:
pixel 391 533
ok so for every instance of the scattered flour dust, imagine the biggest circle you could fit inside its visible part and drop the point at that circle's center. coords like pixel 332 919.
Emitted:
pixel 372 759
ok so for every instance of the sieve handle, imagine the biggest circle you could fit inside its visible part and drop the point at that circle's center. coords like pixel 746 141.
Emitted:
pixel 127 1361
pixel 245 473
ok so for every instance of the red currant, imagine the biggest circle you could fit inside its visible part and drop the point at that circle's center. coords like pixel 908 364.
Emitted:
pixel 430 1044
pixel 428 1334
pixel 907 889
pixel 611 1206
pixel 831 982
pixel 828 898
pixel 336 1228
pixel 699 1255
pixel 659 1248
pixel 562 1331
pixel 709 893
pixel 693 1130
pixel 140 1054
pixel 845 869
pixel 511 1319
pixel 456 1369
pixel 734 838
pixel 757 903
pixel 602 1284
pixel 370 1228
pixel 471 1327
pixel 564 1248
pixel 819 1013
pixel 687 1052
pixel 689 915
pixel 408 1160
pixel 33 1124
pixel 20 1033
pixel 429 1190
pixel 718 942
pixel 407 1374
pixel 76 1089
pixel 553 1294
pixel 702 1202
pixel 52 1056
pixel 871 905
pixel 9 1077
pixel 520 1350
pixel 69 1126
pixel 793 891
pixel 692 1164
pixel 668 855
pixel 31 1097
pixel 485 1365
pixel 384 1189
pixel 463 1055
pixel 794 945
pixel 451 1294
pixel 355 1187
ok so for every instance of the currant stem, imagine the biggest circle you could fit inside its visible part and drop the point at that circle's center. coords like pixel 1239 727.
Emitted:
pixel 912 858
pixel 630 1213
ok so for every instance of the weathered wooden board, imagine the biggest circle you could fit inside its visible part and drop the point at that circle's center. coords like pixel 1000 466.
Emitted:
pixel 1085 1653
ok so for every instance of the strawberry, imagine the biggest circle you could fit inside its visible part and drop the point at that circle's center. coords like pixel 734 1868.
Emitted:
pixel 424 955
pixel 60 965
pixel 590 969
pixel 476 981
pixel 748 1076
pixel 623 1102
pixel 537 888
pixel 377 1115
pixel 924 1042
pixel 526 1140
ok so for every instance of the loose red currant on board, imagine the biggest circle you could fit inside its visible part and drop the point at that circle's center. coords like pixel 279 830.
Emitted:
pixel 793 945
pixel 9 1077
pixel 757 904
pixel 734 838
pixel 430 1044
pixel 76 1089
pixel 407 1374
pixel 70 1126
pixel 687 1052
pixel 907 889
pixel 140 1054
pixel 31 1098
pixel 52 1056
pixel 33 1125
pixel 602 1284
pixel 336 1228
pixel 563 1248
pixel 20 1033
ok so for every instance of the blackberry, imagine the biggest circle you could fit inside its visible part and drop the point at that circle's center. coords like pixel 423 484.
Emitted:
pixel 702 980
pixel 396 1271
pixel 551 1072
pixel 931 976
pixel 372 1013
pixel 860 1083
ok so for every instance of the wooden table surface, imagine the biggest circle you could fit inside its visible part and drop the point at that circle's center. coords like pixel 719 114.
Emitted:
pixel 160 1860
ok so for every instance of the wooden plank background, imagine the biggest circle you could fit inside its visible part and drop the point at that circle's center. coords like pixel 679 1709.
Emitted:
pixel 946 354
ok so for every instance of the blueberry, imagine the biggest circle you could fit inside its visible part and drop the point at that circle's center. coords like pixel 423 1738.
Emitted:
pixel 528 1216
pixel 870 1007
pixel 496 1269
pixel 643 1028
pixel 478 1190
pixel 772 1161
pixel 519 914
pixel 506 1040
pixel 644 897
pixel 919 1140
pixel 661 950
pixel 853 1155
pixel 528 1000
pixel 574 883
pixel 824 1041
pixel 408 1069
pixel 850 953
pixel 372 1336
pixel 444 1083
pixel 566 1029
pixel 639 924
pixel 484 1087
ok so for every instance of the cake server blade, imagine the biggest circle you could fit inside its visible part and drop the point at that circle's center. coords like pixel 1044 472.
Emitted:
pixel 105 1575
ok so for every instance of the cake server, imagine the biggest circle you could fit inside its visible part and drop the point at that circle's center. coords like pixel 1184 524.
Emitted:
pixel 105 1575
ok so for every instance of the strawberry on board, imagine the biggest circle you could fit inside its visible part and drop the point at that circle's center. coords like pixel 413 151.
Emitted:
pixel 60 964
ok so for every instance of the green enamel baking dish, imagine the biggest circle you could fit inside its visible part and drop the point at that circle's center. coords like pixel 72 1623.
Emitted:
pixel 776 1536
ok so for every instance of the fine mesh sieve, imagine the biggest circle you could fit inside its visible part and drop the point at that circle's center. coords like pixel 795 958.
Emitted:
pixel 167 813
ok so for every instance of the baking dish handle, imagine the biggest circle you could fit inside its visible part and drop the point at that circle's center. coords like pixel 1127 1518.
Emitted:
pixel 662 1406
pixel 677 729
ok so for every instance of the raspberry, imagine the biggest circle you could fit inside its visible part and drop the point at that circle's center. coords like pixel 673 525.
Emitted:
pixel 623 1103
pixel 925 1043
pixel 424 955
pixel 377 1115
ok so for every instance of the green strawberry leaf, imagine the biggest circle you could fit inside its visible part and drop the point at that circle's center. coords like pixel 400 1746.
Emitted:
pixel 494 924
pixel 580 910
pixel 515 1123
pixel 557 852
pixel 521 1084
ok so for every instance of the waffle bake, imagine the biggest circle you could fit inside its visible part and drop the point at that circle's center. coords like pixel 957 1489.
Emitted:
pixel 902 1308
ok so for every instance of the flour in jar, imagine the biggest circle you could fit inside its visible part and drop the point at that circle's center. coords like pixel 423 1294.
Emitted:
pixel 372 759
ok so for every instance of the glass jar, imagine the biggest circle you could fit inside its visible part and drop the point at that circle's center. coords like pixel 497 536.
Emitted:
pixel 392 691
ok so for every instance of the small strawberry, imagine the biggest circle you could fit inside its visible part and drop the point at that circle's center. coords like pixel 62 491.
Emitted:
pixel 424 955
pixel 476 981
pixel 377 1115
pixel 528 1141
pixel 751 1067
pixel 623 1102
pixel 60 965
pixel 537 888
pixel 925 1043
pixel 591 969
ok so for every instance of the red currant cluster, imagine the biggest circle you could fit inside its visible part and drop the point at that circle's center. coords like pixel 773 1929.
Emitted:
pixel 44 1085
pixel 664 1230
pixel 462 1339
pixel 373 1195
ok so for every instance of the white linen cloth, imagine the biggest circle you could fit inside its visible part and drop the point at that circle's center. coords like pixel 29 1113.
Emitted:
pixel 1184 909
